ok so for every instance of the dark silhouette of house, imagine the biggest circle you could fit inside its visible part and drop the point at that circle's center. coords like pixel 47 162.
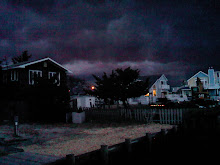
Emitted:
pixel 32 72
pixel 35 91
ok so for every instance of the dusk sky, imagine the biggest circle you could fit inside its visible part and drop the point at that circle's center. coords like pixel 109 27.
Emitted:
pixel 171 37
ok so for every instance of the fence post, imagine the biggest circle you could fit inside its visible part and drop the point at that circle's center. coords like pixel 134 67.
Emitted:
pixel 128 145
pixel 16 133
pixel 163 136
pixel 148 142
pixel 71 159
pixel 104 154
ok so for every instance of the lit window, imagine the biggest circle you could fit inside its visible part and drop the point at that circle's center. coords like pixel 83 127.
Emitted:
pixel 154 92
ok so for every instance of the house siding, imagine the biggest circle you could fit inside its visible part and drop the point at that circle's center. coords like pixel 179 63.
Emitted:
pixel 192 81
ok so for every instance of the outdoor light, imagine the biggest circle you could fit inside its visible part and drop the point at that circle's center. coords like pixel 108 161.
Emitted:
pixel 157 105
pixel 147 95
pixel 93 87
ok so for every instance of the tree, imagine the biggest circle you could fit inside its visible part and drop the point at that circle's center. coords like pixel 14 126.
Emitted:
pixel 76 85
pixel 105 88
pixel 119 86
pixel 0 73
pixel 24 57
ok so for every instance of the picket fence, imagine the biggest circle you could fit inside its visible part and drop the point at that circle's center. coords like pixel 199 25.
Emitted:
pixel 163 116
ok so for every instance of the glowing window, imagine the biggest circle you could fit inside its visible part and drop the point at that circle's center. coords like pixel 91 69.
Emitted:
pixel 154 92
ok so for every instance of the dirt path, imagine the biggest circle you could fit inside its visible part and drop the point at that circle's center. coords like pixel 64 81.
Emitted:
pixel 63 139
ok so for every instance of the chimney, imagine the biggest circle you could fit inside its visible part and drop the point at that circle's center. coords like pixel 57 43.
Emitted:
pixel 211 76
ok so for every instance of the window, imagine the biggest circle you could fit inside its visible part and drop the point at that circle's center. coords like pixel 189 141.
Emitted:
pixel 33 74
pixel 154 91
pixel 14 75
pixel 45 64
pixel 55 76
pixel 51 74
pixel 5 78
pixel 162 82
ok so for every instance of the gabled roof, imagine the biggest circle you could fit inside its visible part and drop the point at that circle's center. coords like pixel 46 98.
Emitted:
pixel 27 63
pixel 153 78
pixel 163 76
pixel 197 75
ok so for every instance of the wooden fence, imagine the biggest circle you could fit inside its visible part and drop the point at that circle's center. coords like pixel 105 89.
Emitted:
pixel 163 116
pixel 125 151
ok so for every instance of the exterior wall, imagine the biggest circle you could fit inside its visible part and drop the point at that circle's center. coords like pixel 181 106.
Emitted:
pixel 177 97
pixel 192 81
pixel 46 68
pixel 217 77
pixel 211 74
pixel 85 101
pixel 7 76
pixel 23 73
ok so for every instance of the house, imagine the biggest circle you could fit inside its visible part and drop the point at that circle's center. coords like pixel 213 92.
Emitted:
pixel 204 78
pixel 178 94
pixel 30 72
pixel 35 90
pixel 159 88
pixel 82 101
pixel 205 85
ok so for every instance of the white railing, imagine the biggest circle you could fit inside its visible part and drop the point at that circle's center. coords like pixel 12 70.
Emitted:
pixel 165 86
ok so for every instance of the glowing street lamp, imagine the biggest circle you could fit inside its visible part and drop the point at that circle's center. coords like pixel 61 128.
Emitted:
pixel 92 87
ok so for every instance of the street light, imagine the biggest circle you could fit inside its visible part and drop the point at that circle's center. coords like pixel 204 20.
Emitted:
pixel 92 87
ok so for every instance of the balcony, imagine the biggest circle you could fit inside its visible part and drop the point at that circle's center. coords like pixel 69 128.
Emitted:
pixel 165 87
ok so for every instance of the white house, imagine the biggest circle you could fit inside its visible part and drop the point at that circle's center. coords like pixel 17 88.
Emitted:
pixel 179 95
pixel 82 101
pixel 210 81
pixel 159 88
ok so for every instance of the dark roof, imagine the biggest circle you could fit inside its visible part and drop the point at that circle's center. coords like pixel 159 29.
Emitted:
pixel 16 65
pixel 26 63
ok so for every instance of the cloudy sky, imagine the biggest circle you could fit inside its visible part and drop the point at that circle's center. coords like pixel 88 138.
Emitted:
pixel 172 37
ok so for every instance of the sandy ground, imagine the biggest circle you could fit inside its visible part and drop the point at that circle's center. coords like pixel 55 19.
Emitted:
pixel 63 139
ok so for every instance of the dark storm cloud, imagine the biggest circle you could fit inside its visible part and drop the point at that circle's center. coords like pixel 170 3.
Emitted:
pixel 140 32
pixel 40 6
